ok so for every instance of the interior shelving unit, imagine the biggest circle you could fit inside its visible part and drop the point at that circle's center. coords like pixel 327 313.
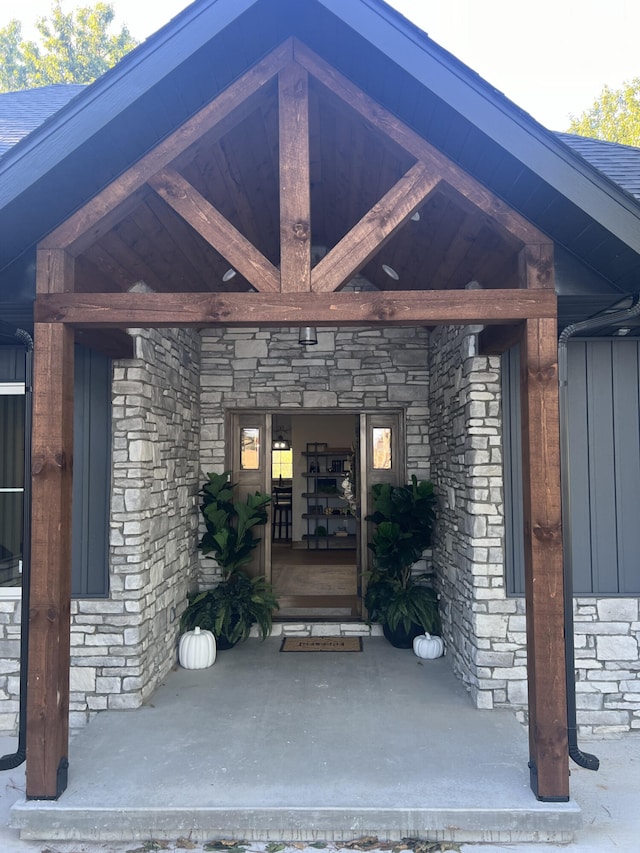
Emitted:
pixel 330 523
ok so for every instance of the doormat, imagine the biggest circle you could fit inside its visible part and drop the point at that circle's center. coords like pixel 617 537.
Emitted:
pixel 321 644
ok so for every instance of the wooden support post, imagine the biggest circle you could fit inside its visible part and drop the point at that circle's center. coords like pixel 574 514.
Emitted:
pixel 49 606
pixel 548 747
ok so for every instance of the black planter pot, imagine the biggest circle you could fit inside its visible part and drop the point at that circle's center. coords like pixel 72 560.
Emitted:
pixel 400 638
pixel 222 643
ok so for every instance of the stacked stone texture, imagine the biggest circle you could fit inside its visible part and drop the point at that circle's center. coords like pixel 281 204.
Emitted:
pixel 123 646
pixel 169 411
pixel 483 628
pixel 354 369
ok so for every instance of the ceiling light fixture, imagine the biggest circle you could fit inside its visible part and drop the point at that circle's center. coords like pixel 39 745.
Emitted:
pixel 281 443
pixel 230 273
pixel 391 272
pixel 416 216
pixel 308 336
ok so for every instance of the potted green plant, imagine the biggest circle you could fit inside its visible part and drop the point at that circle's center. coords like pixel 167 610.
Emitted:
pixel 238 602
pixel 402 602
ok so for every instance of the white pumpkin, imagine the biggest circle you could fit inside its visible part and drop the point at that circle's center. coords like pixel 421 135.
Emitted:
pixel 428 647
pixel 197 649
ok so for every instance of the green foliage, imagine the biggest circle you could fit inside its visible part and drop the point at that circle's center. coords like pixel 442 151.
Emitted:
pixel 238 602
pixel 74 47
pixel 231 608
pixel 230 523
pixel 404 516
pixel 614 116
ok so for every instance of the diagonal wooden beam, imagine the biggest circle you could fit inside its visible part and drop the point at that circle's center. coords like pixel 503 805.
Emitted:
pixel 380 118
pixel 224 112
pixel 408 308
pixel 295 184
pixel 375 229
pixel 216 230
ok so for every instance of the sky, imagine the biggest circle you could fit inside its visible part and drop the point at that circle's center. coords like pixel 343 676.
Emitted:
pixel 551 57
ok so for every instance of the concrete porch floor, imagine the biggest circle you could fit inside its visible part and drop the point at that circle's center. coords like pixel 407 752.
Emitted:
pixel 302 746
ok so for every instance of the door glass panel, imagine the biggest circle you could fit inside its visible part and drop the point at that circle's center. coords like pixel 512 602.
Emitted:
pixel 381 451
pixel 11 487
pixel 250 448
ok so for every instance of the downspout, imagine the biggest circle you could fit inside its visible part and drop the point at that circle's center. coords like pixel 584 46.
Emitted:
pixel 15 759
pixel 583 759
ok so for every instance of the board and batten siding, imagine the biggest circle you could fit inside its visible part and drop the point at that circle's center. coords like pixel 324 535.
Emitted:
pixel 604 466
pixel 92 463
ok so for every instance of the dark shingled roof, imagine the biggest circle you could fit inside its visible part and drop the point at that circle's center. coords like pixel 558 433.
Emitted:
pixel 22 112
pixel 620 163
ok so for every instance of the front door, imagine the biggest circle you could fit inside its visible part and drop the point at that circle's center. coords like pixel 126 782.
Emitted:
pixel 319 468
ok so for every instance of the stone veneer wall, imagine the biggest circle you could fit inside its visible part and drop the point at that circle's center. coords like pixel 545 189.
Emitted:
pixel 9 663
pixel 124 645
pixel 484 630
pixel 349 368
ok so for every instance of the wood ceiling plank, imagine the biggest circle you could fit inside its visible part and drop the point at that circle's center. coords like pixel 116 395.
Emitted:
pixel 377 227
pixel 216 230
pixel 405 308
pixel 90 279
pixel 110 266
pixel 209 265
pixel 171 249
pixel 446 245
pixel 295 182
pixel 495 340
pixel 114 343
pixel 114 245
pixel 101 213
pixel 418 147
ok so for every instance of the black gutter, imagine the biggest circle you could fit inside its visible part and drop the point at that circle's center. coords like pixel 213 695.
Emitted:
pixel 15 759
pixel 583 759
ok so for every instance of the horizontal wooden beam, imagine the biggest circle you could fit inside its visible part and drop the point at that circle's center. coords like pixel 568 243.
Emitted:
pixel 405 308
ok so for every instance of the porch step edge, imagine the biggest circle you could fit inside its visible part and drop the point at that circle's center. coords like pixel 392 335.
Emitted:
pixel 544 822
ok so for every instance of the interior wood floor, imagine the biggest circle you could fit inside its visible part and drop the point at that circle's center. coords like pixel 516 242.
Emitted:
pixel 315 584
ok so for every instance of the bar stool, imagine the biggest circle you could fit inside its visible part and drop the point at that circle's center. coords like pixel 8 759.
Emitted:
pixel 281 519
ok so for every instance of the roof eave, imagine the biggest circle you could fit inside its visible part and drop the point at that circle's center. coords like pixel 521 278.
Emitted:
pixel 493 114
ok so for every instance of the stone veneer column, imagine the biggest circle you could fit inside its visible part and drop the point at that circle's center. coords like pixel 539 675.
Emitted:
pixel 484 629
pixel 124 645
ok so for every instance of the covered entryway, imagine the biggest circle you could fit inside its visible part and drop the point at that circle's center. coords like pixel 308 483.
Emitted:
pixel 231 248
pixel 298 747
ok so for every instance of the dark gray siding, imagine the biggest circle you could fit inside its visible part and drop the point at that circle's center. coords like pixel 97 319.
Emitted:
pixel 512 455
pixel 603 466
pixel 91 475
pixel 12 364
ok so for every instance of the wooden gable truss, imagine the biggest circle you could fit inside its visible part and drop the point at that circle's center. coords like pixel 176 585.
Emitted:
pixel 75 297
